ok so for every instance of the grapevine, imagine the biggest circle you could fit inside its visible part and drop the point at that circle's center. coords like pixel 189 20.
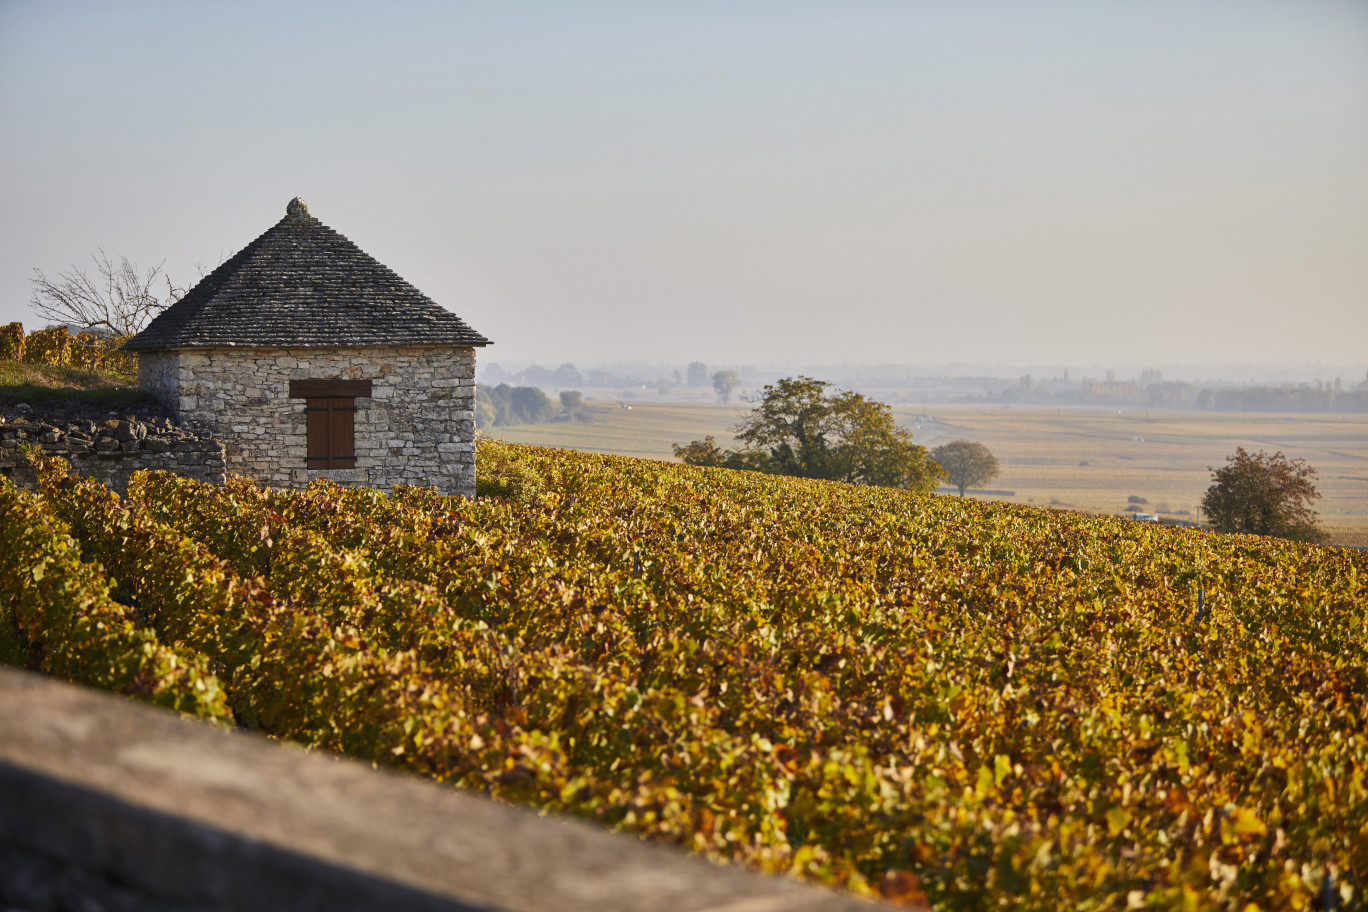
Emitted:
pixel 942 701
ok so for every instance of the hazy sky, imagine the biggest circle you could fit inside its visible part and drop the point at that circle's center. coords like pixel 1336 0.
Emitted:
pixel 1036 182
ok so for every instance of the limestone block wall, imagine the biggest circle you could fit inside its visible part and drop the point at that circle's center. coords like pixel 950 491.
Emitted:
pixel 417 427
pixel 158 374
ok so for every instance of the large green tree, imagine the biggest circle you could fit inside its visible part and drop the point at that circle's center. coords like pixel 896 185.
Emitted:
pixel 1263 495
pixel 967 464
pixel 804 427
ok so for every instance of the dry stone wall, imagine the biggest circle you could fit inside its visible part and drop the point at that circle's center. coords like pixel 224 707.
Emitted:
pixel 109 451
pixel 417 427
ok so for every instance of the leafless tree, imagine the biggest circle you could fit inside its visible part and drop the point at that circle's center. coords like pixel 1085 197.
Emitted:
pixel 118 297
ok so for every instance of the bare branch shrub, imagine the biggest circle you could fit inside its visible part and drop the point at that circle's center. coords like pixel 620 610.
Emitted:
pixel 118 298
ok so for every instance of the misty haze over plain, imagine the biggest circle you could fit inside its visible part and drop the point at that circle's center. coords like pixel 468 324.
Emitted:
pixel 1150 183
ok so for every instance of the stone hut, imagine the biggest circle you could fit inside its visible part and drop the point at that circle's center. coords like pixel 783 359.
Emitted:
pixel 310 359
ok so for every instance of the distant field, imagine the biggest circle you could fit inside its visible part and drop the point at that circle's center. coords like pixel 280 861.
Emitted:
pixel 1086 459
pixel 1043 455
pixel 646 431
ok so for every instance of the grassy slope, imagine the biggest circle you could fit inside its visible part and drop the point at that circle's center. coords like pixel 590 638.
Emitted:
pixel 36 384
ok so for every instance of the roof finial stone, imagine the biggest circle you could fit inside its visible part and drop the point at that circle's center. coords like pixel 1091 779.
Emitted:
pixel 297 208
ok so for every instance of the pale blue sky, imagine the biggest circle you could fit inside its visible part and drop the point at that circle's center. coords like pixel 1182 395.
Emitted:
pixel 732 182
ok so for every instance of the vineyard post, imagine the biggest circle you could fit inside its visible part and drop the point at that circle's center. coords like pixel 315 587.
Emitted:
pixel 1327 890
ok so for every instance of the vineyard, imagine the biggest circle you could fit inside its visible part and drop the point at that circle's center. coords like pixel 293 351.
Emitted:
pixel 56 347
pixel 945 702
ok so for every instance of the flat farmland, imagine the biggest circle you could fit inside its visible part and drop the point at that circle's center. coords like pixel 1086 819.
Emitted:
pixel 1096 459
pixel 646 430
pixel 1085 459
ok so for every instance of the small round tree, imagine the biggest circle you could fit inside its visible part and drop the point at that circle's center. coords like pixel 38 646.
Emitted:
pixel 967 464
pixel 1263 495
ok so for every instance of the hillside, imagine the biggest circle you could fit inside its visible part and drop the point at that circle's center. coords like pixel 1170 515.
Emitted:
pixel 933 699
pixel 1076 458
pixel 68 391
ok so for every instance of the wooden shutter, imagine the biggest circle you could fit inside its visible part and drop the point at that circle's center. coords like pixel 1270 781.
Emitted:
pixel 341 433
pixel 331 432
pixel 317 412
pixel 330 410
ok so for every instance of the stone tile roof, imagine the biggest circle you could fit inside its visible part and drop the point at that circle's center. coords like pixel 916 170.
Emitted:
pixel 303 285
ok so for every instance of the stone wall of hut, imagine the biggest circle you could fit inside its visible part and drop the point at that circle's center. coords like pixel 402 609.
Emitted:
pixel 417 426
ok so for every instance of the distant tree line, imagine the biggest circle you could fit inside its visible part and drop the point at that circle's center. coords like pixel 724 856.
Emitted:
pixel 724 381
pixel 1304 397
pixel 503 405
pixel 567 375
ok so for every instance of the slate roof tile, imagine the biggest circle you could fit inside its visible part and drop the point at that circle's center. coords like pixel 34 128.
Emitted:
pixel 303 285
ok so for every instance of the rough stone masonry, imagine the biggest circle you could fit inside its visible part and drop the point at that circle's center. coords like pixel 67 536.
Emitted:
pixel 417 426
pixel 109 451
